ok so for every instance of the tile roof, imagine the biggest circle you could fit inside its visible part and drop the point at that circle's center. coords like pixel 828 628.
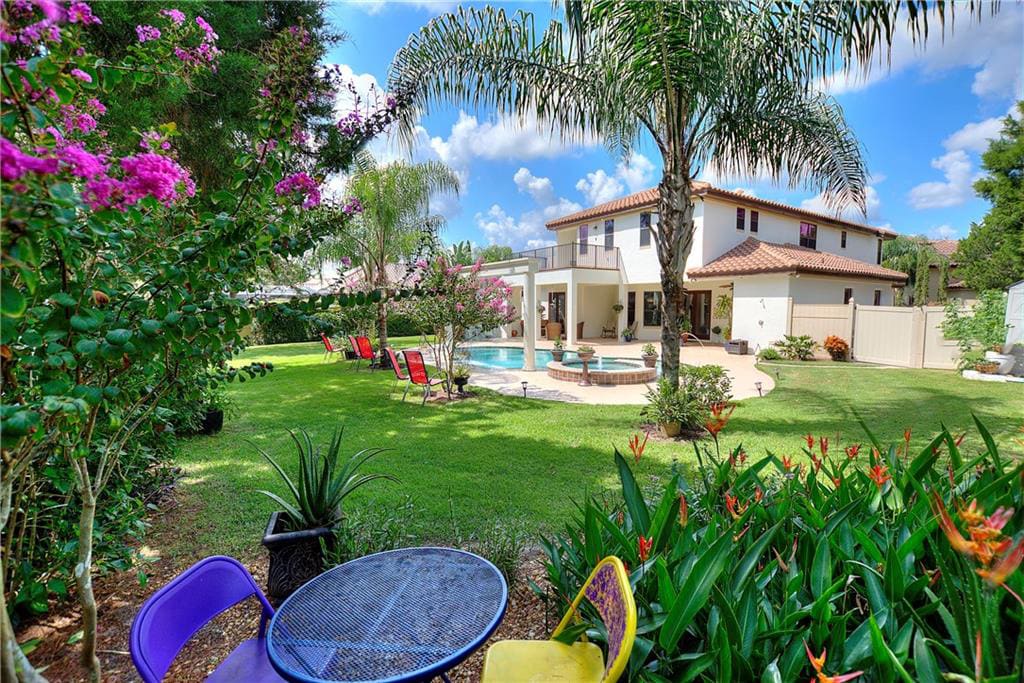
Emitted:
pixel 945 247
pixel 650 198
pixel 753 257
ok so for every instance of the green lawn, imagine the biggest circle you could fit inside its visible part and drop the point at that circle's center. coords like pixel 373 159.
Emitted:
pixel 499 458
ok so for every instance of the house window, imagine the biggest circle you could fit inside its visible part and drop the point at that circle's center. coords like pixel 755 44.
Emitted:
pixel 878 253
pixel 652 309
pixel 847 295
pixel 842 239
pixel 584 231
pixel 645 230
pixel 741 218
pixel 809 235
pixel 753 221
pixel 609 234
pixel 631 308
pixel 878 297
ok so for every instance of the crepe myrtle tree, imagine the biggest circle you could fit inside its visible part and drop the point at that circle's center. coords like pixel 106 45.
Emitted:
pixel 456 301
pixel 728 87
pixel 117 283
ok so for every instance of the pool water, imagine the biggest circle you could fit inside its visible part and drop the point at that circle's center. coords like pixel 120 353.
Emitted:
pixel 511 358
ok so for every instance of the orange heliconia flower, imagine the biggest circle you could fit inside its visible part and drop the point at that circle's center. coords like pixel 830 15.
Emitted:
pixel 1006 566
pixel 637 446
pixel 823 445
pixel 987 544
pixel 758 494
pixel 879 474
pixel 810 441
pixel 787 463
pixel 852 451
pixel 684 511
pixel 818 663
pixel 735 508
pixel 906 435
pixel 816 462
pixel 644 547
pixel 719 418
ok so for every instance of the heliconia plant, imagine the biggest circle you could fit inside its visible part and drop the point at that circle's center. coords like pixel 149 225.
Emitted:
pixel 848 560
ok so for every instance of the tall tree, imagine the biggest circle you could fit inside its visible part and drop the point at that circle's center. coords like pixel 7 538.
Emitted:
pixel 729 86
pixel 394 221
pixel 914 256
pixel 992 254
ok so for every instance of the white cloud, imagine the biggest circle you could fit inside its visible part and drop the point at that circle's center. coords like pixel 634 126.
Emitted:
pixel 541 189
pixel 872 203
pixel 599 187
pixel 954 190
pixel 637 172
pixel 974 137
pixel 744 190
pixel 992 45
pixel 377 6
pixel 943 232
pixel 499 227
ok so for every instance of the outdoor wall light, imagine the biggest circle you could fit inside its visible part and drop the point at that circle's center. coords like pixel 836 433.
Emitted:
pixel 757 385
pixel 524 383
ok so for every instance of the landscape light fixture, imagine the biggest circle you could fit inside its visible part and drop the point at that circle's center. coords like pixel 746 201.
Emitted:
pixel 524 383
pixel 757 385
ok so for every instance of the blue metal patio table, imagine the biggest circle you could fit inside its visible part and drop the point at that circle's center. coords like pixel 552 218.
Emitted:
pixel 403 615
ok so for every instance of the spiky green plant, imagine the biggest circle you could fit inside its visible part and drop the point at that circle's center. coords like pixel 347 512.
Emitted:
pixel 323 483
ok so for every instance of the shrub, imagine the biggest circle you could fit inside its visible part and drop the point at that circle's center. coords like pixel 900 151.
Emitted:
pixel 769 353
pixel 706 384
pixel 648 350
pixel 372 529
pixel 978 328
pixel 667 404
pixel 742 569
pixel 279 326
pixel 836 347
pixel 796 348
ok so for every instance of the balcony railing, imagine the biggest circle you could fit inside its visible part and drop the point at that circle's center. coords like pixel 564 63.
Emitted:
pixel 575 255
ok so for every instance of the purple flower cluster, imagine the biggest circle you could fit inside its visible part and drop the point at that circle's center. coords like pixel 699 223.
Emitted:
pixel 302 184
pixel 32 29
pixel 146 33
pixel 144 175
pixel 206 52
pixel 14 163
pixel 175 15
pixel 81 163
pixel 81 75
pixel 81 13
pixel 152 141
pixel 352 206
pixel 82 119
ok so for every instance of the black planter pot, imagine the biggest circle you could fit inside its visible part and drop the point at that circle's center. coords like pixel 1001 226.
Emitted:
pixel 460 383
pixel 557 354
pixel 295 556
pixel 213 421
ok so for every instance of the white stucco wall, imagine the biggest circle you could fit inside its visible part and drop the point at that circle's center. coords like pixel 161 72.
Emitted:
pixel 760 309
pixel 806 289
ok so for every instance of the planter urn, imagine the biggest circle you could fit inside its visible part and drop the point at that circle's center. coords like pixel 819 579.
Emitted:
pixel 557 354
pixel 650 361
pixel 295 556
pixel 670 429
pixel 213 421
pixel 1004 362
pixel 460 383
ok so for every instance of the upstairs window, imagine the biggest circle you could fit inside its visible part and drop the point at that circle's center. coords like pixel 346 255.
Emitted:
pixel 609 233
pixel 847 295
pixel 584 233
pixel 842 239
pixel 809 235
pixel 878 297
pixel 645 230
pixel 652 309
pixel 741 218
pixel 753 221
pixel 878 253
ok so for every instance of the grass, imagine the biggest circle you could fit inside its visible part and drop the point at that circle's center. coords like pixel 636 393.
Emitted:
pixel 501 458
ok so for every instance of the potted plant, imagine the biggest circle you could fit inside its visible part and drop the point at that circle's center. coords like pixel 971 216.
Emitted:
pixel 585 351
pixel 649 354
pixel 664 408
pixel 716 330
pixel 295 534
pixel 627 335
pixel 617 307
pixel 460 377
pixel 685 327
pixel 558 351
pixel 215 400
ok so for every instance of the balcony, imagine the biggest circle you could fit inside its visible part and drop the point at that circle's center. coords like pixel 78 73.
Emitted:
pixel 574 255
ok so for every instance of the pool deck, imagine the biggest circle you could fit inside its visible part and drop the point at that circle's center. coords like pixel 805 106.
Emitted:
pixel 741 369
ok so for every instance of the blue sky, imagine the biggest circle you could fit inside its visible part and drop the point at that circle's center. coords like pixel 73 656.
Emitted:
pixel 922 125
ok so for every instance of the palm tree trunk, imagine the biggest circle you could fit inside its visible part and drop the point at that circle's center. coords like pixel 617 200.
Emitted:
pixel 674 240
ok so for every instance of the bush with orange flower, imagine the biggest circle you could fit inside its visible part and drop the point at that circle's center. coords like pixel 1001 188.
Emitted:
pixel 894 562
pixel 836 347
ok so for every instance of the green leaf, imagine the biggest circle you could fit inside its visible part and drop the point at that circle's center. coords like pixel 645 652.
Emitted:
pixel 989 443
pixel 821 568
pixel 118 337
pixel 12 301
pixel 750 558
pixel 635 504
pixel 86 347
pixel 883 655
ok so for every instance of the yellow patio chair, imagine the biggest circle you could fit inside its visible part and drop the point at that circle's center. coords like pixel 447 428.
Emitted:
pixel 540 661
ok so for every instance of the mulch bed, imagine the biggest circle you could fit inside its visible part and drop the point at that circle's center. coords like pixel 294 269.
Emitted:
pixel 120 594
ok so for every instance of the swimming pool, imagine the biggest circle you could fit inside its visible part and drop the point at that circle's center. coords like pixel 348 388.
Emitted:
pixel 511 358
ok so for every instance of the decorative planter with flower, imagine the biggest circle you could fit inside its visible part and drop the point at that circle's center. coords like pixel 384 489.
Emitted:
pixel 296 535
pixel 460 377
pixel 585 351
pixel 649 354
pixel 558 351
pixel 685 327
pixel 664 408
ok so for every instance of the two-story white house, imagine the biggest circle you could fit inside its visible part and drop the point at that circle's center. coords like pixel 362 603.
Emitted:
pixel 765 255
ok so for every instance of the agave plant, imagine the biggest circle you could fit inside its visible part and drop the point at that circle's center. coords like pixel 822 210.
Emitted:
pixel 323 482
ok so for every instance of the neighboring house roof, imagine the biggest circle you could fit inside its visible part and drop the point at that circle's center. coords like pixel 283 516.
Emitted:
pixel 649 198
pixel 395 275
pixel 945 247
pixel 754 257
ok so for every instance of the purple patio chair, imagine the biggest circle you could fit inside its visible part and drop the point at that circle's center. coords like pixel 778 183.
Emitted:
pixel 177 611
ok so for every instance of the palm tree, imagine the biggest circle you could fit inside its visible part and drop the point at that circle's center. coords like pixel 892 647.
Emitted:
pixel 395 220
pixel 724 86
pixel 914 256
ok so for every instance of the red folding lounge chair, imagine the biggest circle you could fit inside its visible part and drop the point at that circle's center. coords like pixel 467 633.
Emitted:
pixel 355 350
pixel 400 374
pixel 366 351
pixel 418 374
pixel 329 348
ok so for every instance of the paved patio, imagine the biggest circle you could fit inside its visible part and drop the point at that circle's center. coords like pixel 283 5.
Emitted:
pixel 741 369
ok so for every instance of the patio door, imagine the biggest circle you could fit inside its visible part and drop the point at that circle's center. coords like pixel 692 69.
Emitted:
pixel 699 312
pixel 556 307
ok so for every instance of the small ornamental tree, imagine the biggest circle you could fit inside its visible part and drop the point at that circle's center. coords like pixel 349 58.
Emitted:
pixel 117 282
pixel 455 304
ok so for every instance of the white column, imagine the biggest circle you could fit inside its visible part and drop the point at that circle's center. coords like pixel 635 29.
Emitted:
pixel 622 301
pixel 530 321
pixel 570 311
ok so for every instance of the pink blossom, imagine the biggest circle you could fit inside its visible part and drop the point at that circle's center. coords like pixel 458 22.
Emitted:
pixel 177 16
pixel 304 185
pixel 421 263
pixel 81 13
pixel 460 308
pixel 352 206
pixel 346 261
pixel 264 92
pixel 81 163
pixel 14 163
pixel 152 175
pixel 207 29
pixel 146 33
pixel 81 75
